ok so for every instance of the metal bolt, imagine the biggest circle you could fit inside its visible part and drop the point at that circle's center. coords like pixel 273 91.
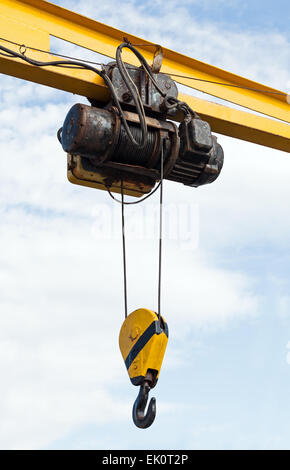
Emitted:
pixel 126 97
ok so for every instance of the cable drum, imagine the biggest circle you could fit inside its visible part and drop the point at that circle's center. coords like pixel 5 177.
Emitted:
pixel 127 152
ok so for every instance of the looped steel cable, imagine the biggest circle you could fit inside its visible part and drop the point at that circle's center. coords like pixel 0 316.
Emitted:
pixel 160 236
pixel 133 90
pixel 133 202
pixel 143 62
pixel 160 229
pixel 136 98
pixel 74 64
pixel 124 252
pixel 22 49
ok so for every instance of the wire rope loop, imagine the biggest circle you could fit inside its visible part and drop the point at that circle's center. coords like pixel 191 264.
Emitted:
pixel 133 90
pixel 22 49
pixel 160 234
pixel 124 252
pixel 160 228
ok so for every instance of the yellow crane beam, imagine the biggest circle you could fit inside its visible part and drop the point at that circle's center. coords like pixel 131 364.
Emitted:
pixel 32 22
pixel 242 125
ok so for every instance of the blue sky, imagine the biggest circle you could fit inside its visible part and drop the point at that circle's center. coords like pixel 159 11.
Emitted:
pixel 248 15
pixel 225 380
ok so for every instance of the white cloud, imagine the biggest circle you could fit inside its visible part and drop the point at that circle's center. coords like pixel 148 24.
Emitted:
pixel 173 24
pixel 61 304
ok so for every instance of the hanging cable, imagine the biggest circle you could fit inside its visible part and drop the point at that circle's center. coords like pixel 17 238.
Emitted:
pixel 50 52
pixel 135 95
pixel 160 228
pixel 124 252
pixel 133 202
pixel 75 64
pixel 123 203
pixel 133 90
pixel 128 66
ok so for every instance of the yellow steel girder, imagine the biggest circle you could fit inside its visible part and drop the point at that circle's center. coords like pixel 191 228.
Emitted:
pixel 31 22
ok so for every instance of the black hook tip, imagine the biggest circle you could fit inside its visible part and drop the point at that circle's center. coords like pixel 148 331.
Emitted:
pixel 142 420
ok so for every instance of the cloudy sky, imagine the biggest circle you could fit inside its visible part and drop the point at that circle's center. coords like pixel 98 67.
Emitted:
pixel 225 381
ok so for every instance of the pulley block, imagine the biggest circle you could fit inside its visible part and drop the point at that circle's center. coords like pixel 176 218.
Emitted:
pixel 143 340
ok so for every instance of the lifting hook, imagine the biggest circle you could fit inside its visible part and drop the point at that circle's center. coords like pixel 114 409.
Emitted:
pixel 141 420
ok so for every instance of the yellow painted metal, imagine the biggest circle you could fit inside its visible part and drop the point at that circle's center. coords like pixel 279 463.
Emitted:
pixel 242 125
pixel 82 82
pixel 76 174
pixel 31 22
pixel 139 328
pixel 104 39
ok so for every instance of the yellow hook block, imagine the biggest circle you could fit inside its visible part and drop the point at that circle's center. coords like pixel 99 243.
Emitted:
pixel 143 340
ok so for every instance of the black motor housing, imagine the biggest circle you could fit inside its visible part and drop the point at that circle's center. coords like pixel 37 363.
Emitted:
pixel 192 155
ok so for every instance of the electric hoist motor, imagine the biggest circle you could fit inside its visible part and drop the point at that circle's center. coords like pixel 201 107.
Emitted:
pixel 101 154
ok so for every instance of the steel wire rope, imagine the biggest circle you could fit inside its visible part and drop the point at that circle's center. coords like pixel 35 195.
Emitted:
pixel 160 238
pixel 129 67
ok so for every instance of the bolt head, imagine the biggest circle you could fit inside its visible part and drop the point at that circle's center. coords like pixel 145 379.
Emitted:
pixel 126 97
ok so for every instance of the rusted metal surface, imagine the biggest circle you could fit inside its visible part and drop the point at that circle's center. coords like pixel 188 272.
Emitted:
pixel 89 133
pixel 151 99
pixel 79 172
pixel 151 121
pixel 121 168
pixel 191 154
pixel 115 144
